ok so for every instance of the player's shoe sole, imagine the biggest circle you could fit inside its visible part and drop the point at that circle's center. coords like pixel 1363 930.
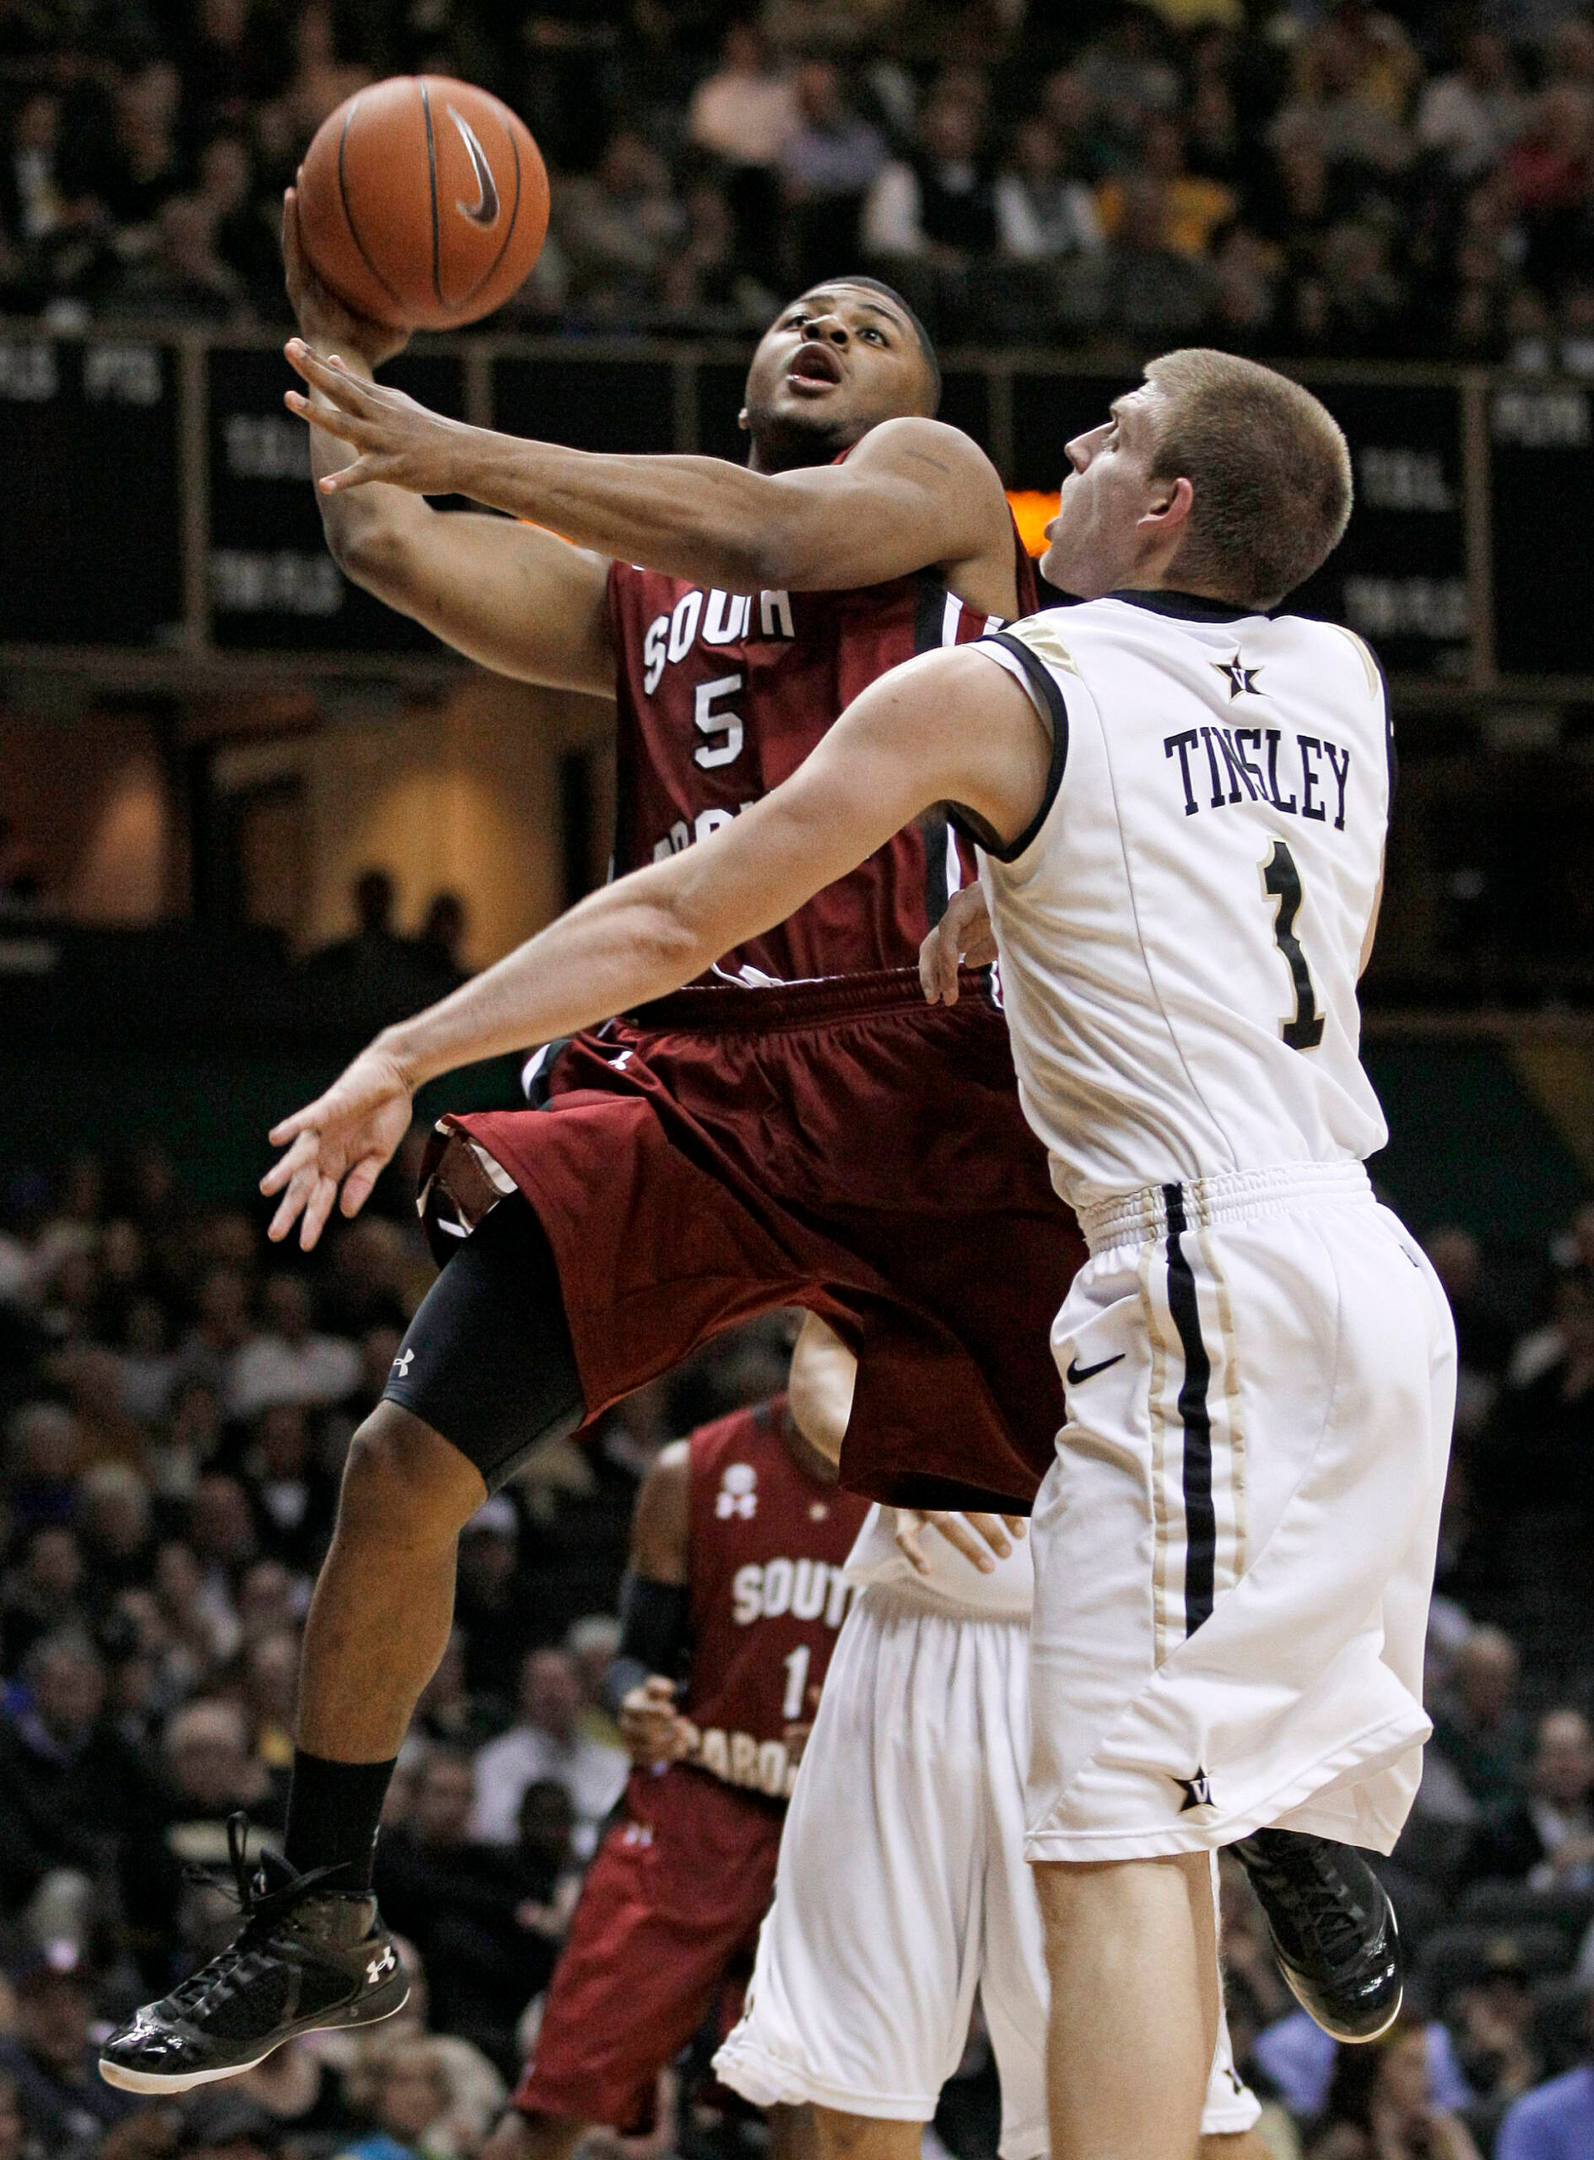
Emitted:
pixel 155 2081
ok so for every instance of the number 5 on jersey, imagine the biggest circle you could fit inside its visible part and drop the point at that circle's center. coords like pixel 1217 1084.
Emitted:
pixel 722 731
pixel 1282 880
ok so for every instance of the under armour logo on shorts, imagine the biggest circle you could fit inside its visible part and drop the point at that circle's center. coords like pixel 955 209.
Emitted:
pixel 403 1362
pixel 738 1493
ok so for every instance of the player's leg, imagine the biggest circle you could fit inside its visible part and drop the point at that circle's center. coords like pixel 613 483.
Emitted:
pixel 485 1372
pixel 1133 1963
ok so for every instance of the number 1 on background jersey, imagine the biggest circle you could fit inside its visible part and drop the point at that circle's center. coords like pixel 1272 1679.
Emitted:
pixel 796 1668
pixel 1281 878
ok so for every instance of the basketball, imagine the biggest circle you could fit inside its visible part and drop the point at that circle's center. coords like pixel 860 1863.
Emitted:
pixel 423 202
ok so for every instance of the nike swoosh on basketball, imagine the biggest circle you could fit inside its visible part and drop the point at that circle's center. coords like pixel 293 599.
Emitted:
pixel 486 210
pixel 1077 1372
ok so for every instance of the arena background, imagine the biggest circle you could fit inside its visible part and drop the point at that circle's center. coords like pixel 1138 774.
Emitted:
pixel 246 814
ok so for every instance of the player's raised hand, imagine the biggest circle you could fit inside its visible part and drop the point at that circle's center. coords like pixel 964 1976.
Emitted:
pixel 323 318
pixel 653 1730
pixel 977 1537
pixel 397 439
pixel 962 937
pixel 343 1139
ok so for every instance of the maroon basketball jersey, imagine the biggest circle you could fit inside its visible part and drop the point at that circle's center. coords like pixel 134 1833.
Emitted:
pixel 767 1547
pixel 722 696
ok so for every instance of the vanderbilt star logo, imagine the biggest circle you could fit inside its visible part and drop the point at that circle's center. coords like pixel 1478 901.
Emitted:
pixel 1239 677
pixel 1197 1792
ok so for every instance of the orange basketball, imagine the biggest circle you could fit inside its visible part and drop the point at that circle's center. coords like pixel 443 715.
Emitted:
pixel 423 202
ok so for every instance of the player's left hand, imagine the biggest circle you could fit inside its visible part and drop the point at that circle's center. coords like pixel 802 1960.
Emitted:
pixel 653 1730
pixel 977 1537
pixel 962 937
pixel 398 440
pixel 345 1138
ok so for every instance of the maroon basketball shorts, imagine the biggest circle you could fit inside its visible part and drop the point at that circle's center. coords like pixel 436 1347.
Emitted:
pixel 840 1145
pixel 669 1911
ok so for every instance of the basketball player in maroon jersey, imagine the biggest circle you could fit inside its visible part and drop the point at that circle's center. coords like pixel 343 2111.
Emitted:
pixel 736 1558
pixel 798 1129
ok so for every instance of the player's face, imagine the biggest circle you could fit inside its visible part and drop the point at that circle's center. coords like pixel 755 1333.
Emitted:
pixel 1094 543
pixel 834 364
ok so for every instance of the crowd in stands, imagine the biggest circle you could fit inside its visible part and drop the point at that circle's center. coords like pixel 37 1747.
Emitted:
pixel 176 1397
pixel 1289 176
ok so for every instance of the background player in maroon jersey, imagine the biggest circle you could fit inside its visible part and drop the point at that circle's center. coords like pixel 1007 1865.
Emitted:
pixel 736 1556
pixel 837 1144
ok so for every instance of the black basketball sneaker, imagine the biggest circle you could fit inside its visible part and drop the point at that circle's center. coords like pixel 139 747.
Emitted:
pixel 305 1958
pixel 1333 1930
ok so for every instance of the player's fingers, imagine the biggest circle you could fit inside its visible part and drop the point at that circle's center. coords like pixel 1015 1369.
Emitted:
pixel 316 1212
pixel 298 1121
pixel 290 1206
pixel 306 1141
pixel 990 1527
pixel 357 1186
pixel 1018 1526
pixel 962 1539
pixel 908 1527
pixel 349 476
pixel 658 1689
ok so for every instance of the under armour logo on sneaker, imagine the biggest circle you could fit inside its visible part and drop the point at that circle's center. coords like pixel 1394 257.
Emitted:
pixel 1197 1792
pixel 377 1966
pixel 403 1362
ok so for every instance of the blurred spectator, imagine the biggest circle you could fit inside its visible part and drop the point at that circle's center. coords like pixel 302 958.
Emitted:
pixel 1192 207
pixel 1043 210
pixel 51 2061
pixel 1539 1451
pixel 212 1773
pixel 746 111
pixel 1555 2122
pixel 288 1362
pixel 490 1603
pixel 931 216
pixel 442 937
pixel 43 1588
pixel 447 1712
pixel 617 227
pixel 546 1742
pixel 458 1899
pixel 1478 1727
pixel 828 166
pixel 1492 2016
pixel 405 2089
pixel 1467 118
pixel 1381 2105
pixel 73 1793
pixel 1546 1838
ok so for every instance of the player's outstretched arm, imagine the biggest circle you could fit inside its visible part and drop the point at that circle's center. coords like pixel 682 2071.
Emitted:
pixel 949 726
pixel 914 492
pixel 521 602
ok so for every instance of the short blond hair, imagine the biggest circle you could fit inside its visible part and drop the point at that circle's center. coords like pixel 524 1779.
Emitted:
pixel 1269 466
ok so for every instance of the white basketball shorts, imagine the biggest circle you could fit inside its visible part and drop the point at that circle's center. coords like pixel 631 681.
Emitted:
pixel 902 1887
pixel 1234 1548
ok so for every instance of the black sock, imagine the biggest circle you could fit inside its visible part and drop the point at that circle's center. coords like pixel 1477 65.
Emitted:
pixel 333 1811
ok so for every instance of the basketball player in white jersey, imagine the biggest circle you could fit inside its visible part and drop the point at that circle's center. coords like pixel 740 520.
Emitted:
pixel 902 1884
pixel 1181 800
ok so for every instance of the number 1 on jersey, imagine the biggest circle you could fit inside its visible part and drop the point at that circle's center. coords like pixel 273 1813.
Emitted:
pixel 1281 878
pixel 796 1669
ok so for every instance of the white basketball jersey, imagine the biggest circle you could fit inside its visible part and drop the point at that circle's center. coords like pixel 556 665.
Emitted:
pixel 1180 932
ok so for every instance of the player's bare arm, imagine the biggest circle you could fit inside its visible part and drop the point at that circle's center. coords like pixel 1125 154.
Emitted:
pixel 650 1725
pixel 948 726
pixel 519 601
pixel 914 492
